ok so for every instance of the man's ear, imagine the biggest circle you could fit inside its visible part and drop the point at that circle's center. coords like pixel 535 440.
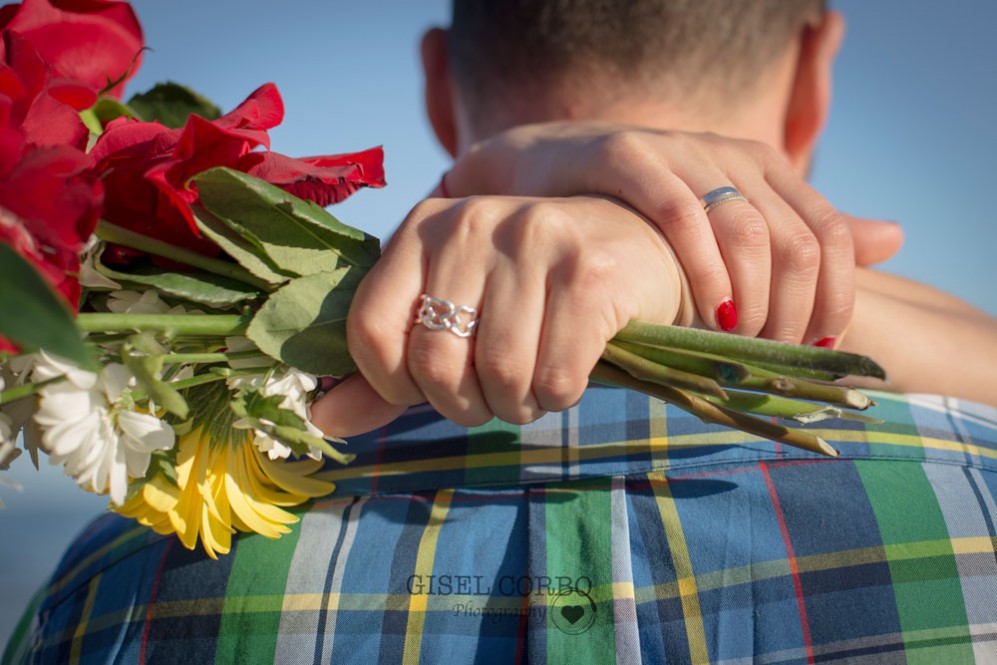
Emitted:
pixel 439 90
pixel 810 99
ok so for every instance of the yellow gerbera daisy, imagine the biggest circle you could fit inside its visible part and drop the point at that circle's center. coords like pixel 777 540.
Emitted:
pixel 223 487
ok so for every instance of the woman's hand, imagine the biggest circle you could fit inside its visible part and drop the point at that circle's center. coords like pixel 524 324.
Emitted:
pixel 552 281
pixel 785 258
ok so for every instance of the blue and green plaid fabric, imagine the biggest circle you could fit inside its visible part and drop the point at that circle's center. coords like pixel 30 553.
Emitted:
pixel 620 531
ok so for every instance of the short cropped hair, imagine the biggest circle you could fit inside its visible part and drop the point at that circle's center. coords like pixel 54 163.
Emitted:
pixel 525 47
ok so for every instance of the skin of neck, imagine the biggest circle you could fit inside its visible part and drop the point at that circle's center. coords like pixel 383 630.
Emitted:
pixel 761 112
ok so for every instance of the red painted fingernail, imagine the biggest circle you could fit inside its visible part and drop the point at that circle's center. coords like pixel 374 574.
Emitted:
pixel 826 342
pixel 727 315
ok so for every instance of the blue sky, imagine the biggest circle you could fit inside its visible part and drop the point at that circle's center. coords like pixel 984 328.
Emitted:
pixel 912 138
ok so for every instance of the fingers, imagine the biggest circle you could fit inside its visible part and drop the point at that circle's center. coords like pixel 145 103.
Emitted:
pixel 383 310
pixel 352 407
pixel 687 228
pixel 441 362
pixel 830 250
pixel 875 241
pixel 568 352
pixel 506 344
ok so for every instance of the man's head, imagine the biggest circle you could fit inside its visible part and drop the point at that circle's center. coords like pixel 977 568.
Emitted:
pixel 758 69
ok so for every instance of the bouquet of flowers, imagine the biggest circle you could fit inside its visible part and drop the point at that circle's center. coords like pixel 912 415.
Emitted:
pixel 172 292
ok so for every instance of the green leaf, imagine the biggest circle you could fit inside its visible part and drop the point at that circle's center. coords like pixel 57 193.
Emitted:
pixel 171 104
pixel 262 407
pixel 299 236
pixel 107 109
pixel 33 316
pixel 104 111
pixel 304 323
pixel 200 287
pixel 247 253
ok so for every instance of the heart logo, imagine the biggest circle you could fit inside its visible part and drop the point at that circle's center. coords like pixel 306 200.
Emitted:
pixel 572 613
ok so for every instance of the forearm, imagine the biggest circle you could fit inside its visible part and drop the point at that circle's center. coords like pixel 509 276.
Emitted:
pixel 927 340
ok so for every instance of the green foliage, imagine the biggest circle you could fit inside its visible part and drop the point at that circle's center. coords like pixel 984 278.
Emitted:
pixel 34 317
pixel 304 323
pixel 297 236
pixel 171 104
pixel 249 254
pixel 196 286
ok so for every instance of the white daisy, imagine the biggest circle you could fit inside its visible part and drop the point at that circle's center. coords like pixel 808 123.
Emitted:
pixel 295 387
pixel 89 424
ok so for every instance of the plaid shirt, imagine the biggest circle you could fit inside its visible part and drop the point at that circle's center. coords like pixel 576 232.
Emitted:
pixel 620 531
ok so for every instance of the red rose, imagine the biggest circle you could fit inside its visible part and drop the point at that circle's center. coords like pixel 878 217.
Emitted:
pixel 50 197
pixel 93 41
pixel 50 200
pixel 43 108
pixel 147 168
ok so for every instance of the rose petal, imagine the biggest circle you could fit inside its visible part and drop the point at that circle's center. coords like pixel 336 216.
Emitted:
pixel 324 180
pixel 94 41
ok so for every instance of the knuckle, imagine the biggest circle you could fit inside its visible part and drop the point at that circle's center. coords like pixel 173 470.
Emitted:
pixel 422 210
pixel 588 271
pixel 800 253
pixel 500 368
pixel 473 215
pixel 431 367
pixel 623 147
pixel 832 229
pixel 367 339
pixel 764 154
pixel 748 228
pixel 532 227
pixel 681 216
pixel 557 388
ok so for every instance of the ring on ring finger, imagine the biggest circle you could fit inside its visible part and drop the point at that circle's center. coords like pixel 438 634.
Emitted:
pixel 719 196
pixel 440 314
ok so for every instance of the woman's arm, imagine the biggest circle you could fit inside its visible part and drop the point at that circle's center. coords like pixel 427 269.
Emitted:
pixel 927 340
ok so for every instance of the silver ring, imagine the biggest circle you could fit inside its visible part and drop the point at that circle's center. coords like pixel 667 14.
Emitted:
pixel 719 196
pixel 440 314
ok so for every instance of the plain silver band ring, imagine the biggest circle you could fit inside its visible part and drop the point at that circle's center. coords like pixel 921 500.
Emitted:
pixel 440 314
pixel 719 196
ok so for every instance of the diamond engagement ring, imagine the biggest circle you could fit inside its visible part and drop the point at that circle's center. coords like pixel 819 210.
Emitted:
pixel 440 314
pixel 720 196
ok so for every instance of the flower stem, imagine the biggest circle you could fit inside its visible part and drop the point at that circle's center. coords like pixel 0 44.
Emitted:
pixel 26 390
pixel 648 370
pixel 220 325
pixel 743 375
pixel 737 347
pixel 121 236
pixel 608 374
pixel 211 377
pixel 218 357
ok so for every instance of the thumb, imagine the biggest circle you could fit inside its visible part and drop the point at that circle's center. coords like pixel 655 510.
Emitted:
pixel 352 408
pixel 875 241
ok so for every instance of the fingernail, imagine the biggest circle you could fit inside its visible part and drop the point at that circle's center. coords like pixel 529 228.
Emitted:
pixel 826 342
pixel 727 315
